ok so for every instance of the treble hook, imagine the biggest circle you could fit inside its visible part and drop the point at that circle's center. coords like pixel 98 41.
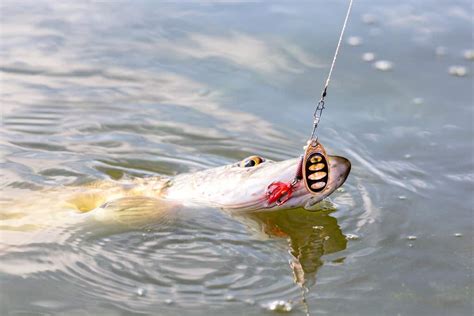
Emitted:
pixel 278 190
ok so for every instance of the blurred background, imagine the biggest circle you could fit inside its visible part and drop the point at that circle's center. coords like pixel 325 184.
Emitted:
pixel 103 90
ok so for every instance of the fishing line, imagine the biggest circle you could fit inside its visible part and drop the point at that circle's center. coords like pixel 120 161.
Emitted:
pixel 320 107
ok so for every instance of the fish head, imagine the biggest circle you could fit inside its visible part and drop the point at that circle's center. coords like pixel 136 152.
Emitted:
pixel 244 185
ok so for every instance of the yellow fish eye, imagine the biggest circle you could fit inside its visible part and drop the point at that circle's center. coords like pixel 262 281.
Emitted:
pixel 251 161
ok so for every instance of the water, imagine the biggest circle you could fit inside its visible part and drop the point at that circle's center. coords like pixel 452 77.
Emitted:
pixel 115 91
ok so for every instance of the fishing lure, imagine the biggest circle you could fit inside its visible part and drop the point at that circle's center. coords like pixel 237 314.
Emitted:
pixel 313 168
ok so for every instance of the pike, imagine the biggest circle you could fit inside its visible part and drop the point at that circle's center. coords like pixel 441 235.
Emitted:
pixel 239 189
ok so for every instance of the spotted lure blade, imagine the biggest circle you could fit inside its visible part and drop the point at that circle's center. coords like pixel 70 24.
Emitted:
pixel 315 167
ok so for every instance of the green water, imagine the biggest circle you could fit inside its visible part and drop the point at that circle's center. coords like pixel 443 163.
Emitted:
pixel 134 89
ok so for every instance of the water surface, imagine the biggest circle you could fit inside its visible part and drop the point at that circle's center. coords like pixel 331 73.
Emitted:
pixel 96 91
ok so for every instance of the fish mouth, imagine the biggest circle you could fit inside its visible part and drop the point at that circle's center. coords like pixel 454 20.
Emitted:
pixel 338 170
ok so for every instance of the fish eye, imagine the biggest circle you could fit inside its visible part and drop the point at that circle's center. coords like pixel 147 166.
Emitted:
pixel 251 161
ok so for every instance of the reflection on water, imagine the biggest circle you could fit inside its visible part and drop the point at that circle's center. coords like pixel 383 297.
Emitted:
pixel 100 91
pixel 310 235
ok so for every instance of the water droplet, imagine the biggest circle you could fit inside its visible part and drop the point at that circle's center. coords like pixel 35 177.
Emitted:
pixel 457 71
pixel 411 237
pixel 402 197
pixel 368 56
pixel 410 245
pixel 341 190
pixel 279 306
pixel 250 301
pixel 318 227
pixel 352 237
pixel 141 291
pixel 229 298
pixel 354 41
pixel 383 65
pixel 417 101
pixel 369 18
pixel 407 156
pixel 457 235
pixel 441 51
pixel 169 301
pixel 469 54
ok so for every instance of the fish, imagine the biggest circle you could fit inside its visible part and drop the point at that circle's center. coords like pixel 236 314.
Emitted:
pixel 239 187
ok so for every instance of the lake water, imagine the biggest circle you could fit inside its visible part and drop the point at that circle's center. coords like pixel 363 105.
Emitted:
pixel 97 90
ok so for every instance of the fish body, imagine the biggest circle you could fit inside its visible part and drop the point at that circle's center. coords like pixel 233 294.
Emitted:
pixel 238 187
